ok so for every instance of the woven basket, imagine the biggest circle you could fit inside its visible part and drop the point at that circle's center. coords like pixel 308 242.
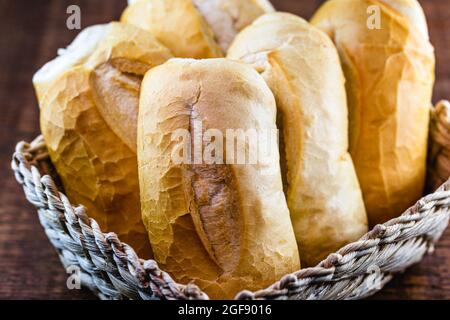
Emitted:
pixel 112 270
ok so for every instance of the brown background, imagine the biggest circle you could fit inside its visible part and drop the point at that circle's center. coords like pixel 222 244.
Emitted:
pixel 31 31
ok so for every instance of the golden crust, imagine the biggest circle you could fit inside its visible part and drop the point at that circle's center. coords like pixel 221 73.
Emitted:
pixel 87 122
pixel 301 66
pixel 228 17
pixel 195 28
pixel 177 24
pixel 390 77
pixel 224 227
pixel 411 10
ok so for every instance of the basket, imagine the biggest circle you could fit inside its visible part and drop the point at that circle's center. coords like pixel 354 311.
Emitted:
pixel 112 270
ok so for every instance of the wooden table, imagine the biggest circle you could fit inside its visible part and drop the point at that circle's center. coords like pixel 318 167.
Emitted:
pixel 31 32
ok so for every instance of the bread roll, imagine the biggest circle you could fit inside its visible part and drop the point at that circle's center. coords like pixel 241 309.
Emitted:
pixel 177 24
pixel 390 77
pixel 89 98
pixel 228 17
pixel 195 28
pixel 225 227
pixel 301 66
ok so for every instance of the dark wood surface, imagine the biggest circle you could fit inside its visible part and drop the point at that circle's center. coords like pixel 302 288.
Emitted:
pixel 31 31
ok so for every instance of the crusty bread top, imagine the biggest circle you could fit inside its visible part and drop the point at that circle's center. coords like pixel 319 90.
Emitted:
pixel 302 67
pixel 411 10
pixel 195 28
pixel 390 78
pixel 228 17
pixel 177 24
pixel 75 54
pixel 118 55
pixel 224 226
pixel 277 48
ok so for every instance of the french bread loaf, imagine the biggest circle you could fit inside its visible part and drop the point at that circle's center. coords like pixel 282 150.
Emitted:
pixel 301 66
pixel 89 99
pixel 390 77
pixel 223 225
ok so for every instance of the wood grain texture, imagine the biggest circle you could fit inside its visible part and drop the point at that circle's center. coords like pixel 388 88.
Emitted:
pixel 31 32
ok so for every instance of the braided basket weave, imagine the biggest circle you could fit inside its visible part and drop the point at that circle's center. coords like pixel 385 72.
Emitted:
pixel 112 270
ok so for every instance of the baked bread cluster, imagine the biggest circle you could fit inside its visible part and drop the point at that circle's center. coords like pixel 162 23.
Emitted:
pixel 229 142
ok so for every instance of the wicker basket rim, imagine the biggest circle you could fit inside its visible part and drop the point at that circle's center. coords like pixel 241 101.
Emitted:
pixel 113 270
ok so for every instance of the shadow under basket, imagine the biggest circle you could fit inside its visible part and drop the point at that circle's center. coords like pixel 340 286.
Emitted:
pixel 112 270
